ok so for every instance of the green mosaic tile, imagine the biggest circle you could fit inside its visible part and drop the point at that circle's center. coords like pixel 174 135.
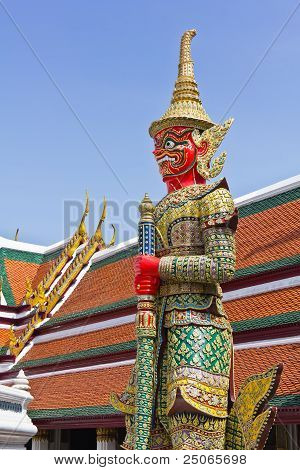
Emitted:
pixel 73 412
pixel 285 400
pixel 3 350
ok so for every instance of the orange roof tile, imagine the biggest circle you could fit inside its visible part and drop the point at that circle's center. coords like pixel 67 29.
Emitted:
pixel 263 305
pixel 17 272
pixel 89 388
pixel 41 272
pixel 252 361
pixel 269 235
pixel 105 337
pixel 105 285
pixel 4 337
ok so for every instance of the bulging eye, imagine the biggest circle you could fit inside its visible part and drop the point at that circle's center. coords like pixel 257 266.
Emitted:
pixel 169 144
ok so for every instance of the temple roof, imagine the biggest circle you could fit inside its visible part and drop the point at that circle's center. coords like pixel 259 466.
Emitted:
pixel 84 349
pixel 86 392
pixel 18 261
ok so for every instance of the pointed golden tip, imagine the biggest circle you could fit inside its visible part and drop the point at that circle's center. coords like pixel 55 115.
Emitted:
pixel 185 67
pixel 146 198
pixel 113 238
pixel 103 215
pixel 81 228
pixel 189 33
pixel 186 108
pixel 87 203
pixel 17 235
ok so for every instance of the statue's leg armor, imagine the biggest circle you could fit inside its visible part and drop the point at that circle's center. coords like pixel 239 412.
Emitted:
pixel 197 383
pixel 196 431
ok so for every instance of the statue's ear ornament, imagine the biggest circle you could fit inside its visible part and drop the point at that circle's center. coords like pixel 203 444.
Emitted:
pixel 207 143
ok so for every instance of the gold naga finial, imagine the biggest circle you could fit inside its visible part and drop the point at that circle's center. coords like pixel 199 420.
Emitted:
pixel 186 107
pixel 98 233
pixel 82 228
pixel 29 292
pixel 17 235
pixel 12 336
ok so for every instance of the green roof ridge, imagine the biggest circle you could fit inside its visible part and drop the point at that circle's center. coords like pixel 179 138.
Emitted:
pixel 265 322
pixel 285 400
pixel 130 302
pixel 6 289
pixel 270 202
pixel 269 266
pixel 28 256
pixel 73 412
pixel 85 353
pixel 255 269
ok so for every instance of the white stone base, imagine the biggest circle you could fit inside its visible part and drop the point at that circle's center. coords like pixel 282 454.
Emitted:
pixel 16 427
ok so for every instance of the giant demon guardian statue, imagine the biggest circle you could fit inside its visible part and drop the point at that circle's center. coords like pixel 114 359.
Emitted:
pixel 181 390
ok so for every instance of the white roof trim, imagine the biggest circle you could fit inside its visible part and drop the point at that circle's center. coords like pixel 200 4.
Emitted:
pixel 5 326
pixel 268 191
pixel 2 300
pixel 103 254
pixel 75 370
pixel 262 288
pixel 14 316
pixel 267 342
pixel 30 247
pixel 79 330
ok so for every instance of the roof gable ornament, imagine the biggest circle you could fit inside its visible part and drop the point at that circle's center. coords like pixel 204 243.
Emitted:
pixel 80 236
pixel 44 302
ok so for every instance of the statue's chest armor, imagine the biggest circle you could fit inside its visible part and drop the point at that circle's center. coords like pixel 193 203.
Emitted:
pixel 178 227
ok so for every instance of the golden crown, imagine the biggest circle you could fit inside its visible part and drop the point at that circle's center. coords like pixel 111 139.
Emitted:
pixel 186 107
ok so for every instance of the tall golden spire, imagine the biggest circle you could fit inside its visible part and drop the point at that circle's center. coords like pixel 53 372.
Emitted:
pixel 186 107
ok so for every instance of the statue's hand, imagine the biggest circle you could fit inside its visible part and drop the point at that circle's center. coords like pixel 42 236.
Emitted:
pixel 146 285
pixel 146 275
pixel 146 265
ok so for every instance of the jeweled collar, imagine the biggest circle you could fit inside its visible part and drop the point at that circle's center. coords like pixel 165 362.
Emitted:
pixel 180 196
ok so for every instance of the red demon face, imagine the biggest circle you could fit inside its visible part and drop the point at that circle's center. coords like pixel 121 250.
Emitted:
pixel 175 151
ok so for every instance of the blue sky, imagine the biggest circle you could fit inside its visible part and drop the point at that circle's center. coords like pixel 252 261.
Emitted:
pixel 116 64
